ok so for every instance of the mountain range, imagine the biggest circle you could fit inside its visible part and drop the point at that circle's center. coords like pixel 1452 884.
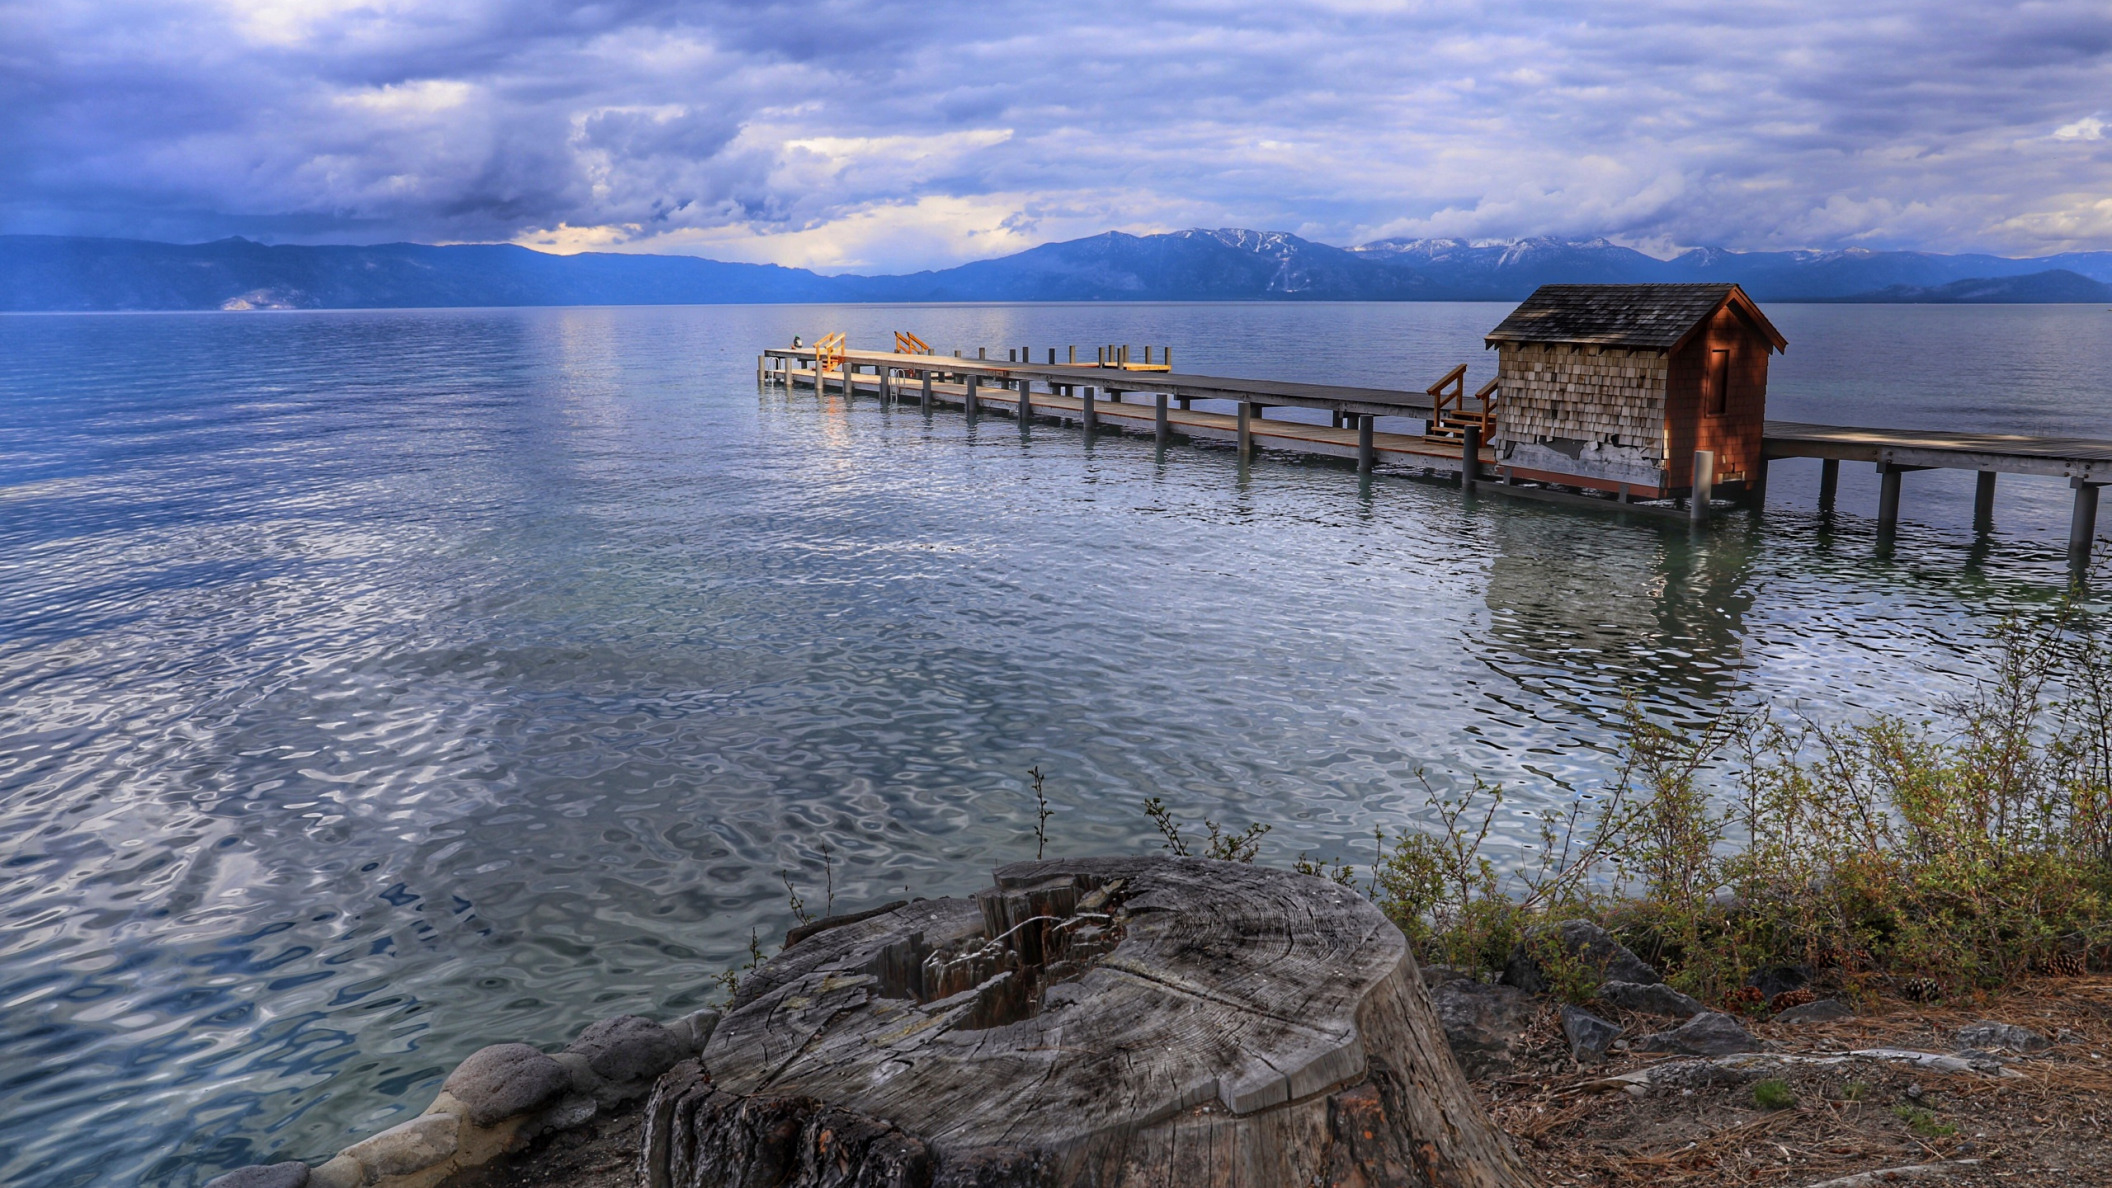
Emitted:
pixel 56 273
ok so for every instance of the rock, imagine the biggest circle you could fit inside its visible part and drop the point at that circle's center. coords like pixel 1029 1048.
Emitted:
pixel 503 1080
pixel 1481 1022
pixel 1825 1010
pixel 1581 941
pixel 1779 979
pixel 1992 1035
pixel 694 1029
pixel 628 1049
pixel 264 1175
pixel 1711 1033
pixel 1655 998
pixel 1588 1034
pixel 340 1172
pixel 414 1146
pixel 1433 974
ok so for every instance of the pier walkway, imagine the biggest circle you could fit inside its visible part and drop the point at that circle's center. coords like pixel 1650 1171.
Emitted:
pixel 1094 396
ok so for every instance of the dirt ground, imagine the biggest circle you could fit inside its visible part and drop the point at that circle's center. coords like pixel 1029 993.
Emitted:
pixel 2050 1126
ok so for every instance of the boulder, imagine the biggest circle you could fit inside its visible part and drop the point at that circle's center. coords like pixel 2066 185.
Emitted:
pixel 1655 998
pixel 503 1080
pixel 628 1049
pixel 1779 979
pixel 414 1146
pixel 264 1175
pixel 1481 1021
pixel 1710 1033
pixel 1992 1036
pixel 1825 1010
pixel 1589 1036
pixel 1578 941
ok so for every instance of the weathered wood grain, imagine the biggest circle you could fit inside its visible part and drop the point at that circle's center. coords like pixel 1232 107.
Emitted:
pixel 1139 1021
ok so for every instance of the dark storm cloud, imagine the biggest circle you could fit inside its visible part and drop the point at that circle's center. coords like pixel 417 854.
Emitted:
pixel 899 135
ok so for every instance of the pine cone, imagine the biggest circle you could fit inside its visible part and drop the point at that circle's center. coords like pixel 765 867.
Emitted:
pixel 1792 998
pixel 1920 990
pixel 2067 965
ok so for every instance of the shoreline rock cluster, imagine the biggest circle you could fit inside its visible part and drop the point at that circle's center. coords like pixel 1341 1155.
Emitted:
pixel 1484 1020
pixel 498 1100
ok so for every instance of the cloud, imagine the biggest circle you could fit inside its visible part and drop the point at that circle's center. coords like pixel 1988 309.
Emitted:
pixel 885 135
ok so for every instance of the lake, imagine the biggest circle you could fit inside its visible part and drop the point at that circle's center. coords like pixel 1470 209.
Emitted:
pixel 378 685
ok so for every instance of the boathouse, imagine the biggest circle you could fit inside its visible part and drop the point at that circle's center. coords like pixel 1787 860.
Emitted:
pixel 1615 387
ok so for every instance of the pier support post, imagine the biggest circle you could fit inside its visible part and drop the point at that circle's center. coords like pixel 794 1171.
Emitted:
pixel 1469 457
pixel 1984 502
pixel 969 404
pixel 1185 402
pixel 924 387
pixel 1888 497
pixel 1756 486
pixel 2082 527
pixel 1090 419
pixel 1026 402
pixel 1367 456
pixel 1163 431
pixel 1704 486
pixel 1829 483
pixel 887 383
pixel 1246 429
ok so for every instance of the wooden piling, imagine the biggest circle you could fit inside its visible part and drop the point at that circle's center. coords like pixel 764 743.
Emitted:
pixel 1161 430
pixel 1984 501
pixel 1469 456
pixel 968 404
pixel 1888 497
pixel 2082 526
pixel 1704 486
pixel 1246 429
pixel 1090 419
pixel 1829 483
pixel 1367 455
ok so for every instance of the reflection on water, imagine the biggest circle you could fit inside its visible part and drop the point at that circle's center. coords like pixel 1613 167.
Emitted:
pixel 374 686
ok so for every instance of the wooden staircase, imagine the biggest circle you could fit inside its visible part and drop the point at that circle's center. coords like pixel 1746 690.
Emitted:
pixel 1450 413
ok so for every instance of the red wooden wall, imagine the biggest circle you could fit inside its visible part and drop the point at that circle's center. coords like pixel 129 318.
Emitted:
pixel 1690 421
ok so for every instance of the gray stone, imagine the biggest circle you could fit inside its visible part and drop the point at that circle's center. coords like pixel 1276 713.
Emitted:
pixel 264 1175
pixel 1433 974
pixel 1580 941
pixel 694 1029
pixel 1481 1022
pixel 1655 998
pixel 1825 1010
pixel 628 1048
pixel 2004 1036
pixel 340 1172
pixel 1710 1033
pixel 503 1080
pixel 412 1147
pixel 1588 1034
pixel 1779 979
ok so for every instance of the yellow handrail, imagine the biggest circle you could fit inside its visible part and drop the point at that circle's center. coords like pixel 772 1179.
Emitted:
pixel 909 344
pixel 827 352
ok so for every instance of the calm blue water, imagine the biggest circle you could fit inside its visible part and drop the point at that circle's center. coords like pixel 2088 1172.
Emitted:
pixel 374 686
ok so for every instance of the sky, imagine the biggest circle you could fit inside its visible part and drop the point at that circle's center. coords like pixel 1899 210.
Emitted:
pixel 891 136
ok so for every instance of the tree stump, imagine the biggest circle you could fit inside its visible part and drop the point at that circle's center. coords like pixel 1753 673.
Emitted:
pixel 1114 1022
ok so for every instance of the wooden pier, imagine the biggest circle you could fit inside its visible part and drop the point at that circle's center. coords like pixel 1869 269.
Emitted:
pixel 1122 395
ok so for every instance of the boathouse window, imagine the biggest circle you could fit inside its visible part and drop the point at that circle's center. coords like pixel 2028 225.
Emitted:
pixel 1719 381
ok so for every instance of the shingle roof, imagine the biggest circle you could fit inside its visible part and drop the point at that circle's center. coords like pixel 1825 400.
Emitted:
pixel 1655 317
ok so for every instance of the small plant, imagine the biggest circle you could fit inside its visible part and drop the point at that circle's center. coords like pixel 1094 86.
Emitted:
pixel 799 906
pixel 1922 1122
pixel 1242 846
pixel 1338 872
pixel 730 980
pixel 1856 1091
pixel 1042 813
pixel 1774 1095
